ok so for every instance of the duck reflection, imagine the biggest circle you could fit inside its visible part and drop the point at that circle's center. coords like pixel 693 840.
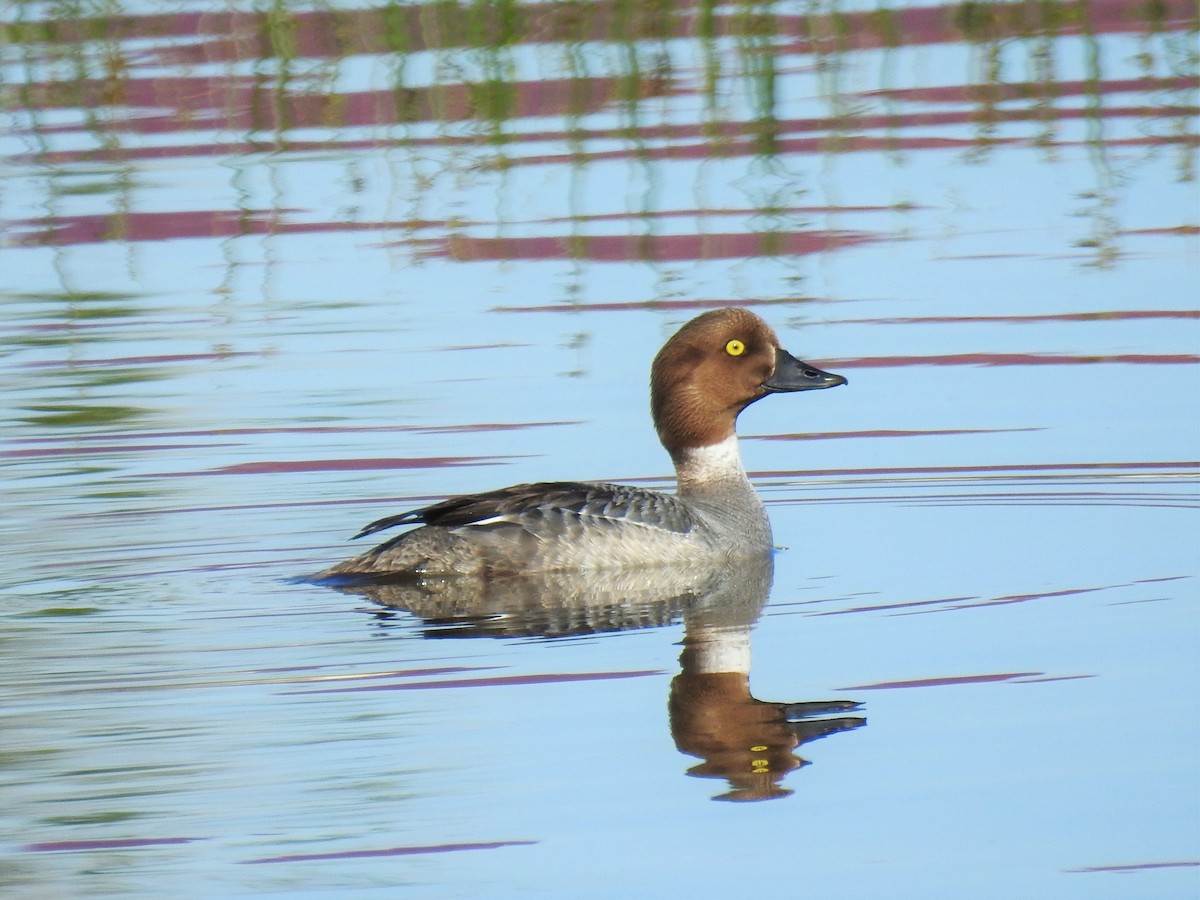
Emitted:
pixel 751 743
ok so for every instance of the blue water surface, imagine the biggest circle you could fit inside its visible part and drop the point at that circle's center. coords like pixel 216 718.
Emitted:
pixel 270 273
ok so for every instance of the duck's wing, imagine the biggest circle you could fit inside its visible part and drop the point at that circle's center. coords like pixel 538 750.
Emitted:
pixel 579 502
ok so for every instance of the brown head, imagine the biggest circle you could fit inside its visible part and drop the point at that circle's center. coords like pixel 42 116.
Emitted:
pixel 714 367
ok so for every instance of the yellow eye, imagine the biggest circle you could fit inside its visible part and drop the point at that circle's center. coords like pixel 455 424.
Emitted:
pixel 735 348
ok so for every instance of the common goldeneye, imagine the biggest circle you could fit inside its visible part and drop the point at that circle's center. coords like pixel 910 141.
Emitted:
pixel 704 376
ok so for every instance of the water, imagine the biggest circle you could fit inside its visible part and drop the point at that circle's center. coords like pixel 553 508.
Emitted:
pixel 271 272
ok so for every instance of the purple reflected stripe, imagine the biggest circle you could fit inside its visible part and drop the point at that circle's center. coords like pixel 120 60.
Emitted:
pixel 941 682
pixel 1139 867
pixel 966 470
pixel 1103 316
pixel 650 305
pixel 976 603
pixel 885 607
pixel 879 433
pixel 1011 359
pixel 391 851
pixel 1043 595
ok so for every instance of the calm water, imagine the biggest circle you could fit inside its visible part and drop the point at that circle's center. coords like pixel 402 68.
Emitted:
pixel 271 271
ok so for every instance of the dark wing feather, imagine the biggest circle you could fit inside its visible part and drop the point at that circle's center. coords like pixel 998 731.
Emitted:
pixel 580 501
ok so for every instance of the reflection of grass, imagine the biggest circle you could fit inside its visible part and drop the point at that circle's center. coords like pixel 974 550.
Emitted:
pixel 102 312
pixel 72 416
pixel 96 312
pixel 51 611
pixel 72 296
pixel 94 187
pixel 136 494
pixel 40 340
pixel 12 759
pixel 101 818
pixel 84 305
pixel 108 377
pixel 90 471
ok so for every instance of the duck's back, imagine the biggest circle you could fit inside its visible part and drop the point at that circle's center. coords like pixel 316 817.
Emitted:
pixel 543 527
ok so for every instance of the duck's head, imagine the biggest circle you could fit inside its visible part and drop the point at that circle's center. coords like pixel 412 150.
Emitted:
pixel 714 367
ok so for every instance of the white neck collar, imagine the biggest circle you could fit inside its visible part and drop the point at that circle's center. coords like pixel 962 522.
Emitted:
pixel 716 462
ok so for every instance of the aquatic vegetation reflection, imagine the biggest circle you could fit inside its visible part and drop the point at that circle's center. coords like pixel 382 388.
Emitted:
pixel 459 94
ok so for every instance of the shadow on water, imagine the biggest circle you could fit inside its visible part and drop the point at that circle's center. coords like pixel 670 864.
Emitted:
pixel 749 742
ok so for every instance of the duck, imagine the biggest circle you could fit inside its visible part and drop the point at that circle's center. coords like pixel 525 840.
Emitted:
pixel 705 375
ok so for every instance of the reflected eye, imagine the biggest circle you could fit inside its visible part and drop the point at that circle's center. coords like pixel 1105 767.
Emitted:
pixel 735 348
